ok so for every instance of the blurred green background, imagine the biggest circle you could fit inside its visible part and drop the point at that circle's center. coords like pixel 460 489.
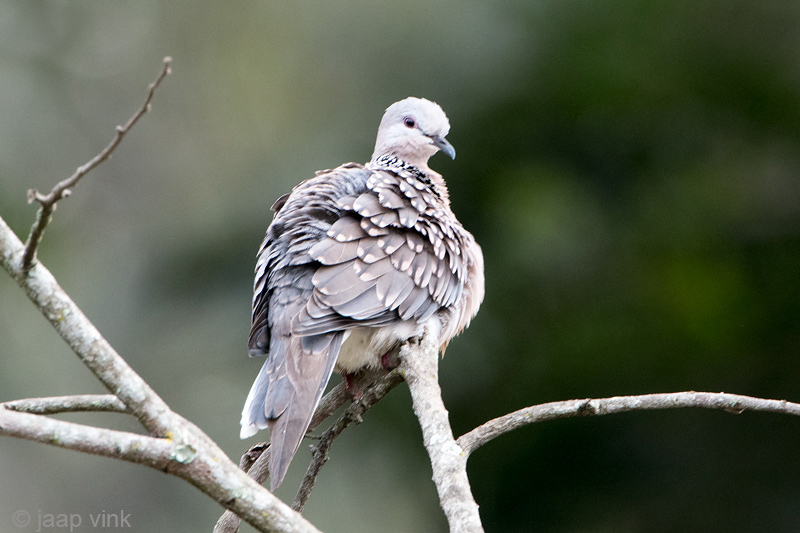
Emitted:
pixel 630 169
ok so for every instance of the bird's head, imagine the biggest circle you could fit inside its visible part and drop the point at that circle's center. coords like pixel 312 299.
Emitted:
pixel 413 130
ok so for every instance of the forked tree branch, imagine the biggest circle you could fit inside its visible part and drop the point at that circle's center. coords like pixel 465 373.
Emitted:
pixel 84 339
pixel 351 415
pixel 375 384
pixel 47 202
pixel 190 453
pixel 176 446
pixel 420 365
pixel 730 403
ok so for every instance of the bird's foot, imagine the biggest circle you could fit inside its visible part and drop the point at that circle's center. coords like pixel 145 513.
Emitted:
pixel 349 381
pixel 390 360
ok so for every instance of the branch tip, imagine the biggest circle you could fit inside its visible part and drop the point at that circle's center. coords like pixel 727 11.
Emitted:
pixel 61 189
pixel 729 403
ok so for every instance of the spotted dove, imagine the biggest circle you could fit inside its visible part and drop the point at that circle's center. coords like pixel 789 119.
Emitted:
pixel 356 261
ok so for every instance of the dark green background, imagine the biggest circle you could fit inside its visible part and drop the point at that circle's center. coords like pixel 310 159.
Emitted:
pixel 631 170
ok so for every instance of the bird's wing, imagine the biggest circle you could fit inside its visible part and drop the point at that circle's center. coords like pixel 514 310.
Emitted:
pixel 293 378
pixel 395 254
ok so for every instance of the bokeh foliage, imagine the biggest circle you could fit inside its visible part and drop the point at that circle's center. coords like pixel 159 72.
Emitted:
pixel 630 169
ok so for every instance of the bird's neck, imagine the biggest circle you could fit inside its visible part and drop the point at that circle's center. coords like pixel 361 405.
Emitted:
pixel 414 173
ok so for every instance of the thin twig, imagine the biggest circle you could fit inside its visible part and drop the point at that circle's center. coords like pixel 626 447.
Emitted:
pixel 258 469
pixel 251 456
pixel 330 403
pixel 420 364
pixel 63 188
pixel 68 404
pixel 730 403
pixel 352 414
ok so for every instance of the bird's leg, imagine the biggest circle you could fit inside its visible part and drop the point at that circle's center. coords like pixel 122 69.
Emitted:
pixel 349 381
pixel 391 359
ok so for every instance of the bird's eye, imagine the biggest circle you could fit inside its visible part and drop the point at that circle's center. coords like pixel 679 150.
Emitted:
pixel 409 122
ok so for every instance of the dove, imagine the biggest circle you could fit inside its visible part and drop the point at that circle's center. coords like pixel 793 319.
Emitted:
pixel 357 260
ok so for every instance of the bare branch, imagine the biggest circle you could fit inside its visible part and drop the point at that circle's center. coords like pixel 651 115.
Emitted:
pixel 255 461
pixel 195 461
pixel 420 364
pixel 141 449
pixel 229 522
pixel 84 339
pixel 190 453
pixel 321 454
pixel 68 404
pixel 330 403
pixel 251 456
pixel 730 403
pixel 197 458
pixel 62 189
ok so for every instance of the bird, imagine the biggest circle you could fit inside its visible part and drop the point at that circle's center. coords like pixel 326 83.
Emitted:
pixel 356 261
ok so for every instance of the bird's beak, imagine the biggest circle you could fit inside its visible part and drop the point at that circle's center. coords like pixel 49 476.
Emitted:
pixel 442 144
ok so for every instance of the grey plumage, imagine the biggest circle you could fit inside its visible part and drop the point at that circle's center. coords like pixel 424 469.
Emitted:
pixel 357 260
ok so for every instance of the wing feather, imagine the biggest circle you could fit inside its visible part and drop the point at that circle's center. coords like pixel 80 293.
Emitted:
pixel 347 228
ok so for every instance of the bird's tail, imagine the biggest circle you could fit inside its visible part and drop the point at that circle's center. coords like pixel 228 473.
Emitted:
pixel 286 393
